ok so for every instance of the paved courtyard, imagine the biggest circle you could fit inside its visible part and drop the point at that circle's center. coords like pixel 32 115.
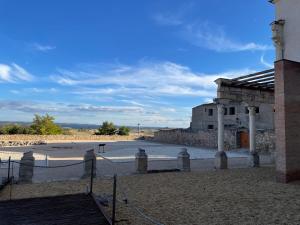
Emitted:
pixel 120 155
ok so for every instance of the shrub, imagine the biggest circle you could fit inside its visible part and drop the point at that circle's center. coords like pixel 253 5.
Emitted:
pixel 123 130
pixel 15 129
pixel 44 125
pixel 107 128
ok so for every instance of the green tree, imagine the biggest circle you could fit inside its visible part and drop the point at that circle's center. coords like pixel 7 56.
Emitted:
pixel 107 128
pixel 123 130
pixel 15 129
pixel 44 125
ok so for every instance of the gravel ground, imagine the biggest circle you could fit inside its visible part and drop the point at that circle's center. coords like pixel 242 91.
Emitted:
pixel 235 196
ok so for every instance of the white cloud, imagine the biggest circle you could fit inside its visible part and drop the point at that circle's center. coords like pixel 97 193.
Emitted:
pixel 173 18
pixel 14 73
pixel 213 37
pixel 54 107
pixel 42 48
pixel 40 90
pixel 5 72
pixel 206 34
pixel 265 63
pixel 154 87
pixel 167 19
pixel 143 79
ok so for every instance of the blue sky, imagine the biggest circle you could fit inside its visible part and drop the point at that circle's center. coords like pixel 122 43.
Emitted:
pixel 129 62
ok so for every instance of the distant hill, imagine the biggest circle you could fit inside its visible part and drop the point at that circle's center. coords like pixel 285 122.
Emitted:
pixel 76 125
pixel 64 125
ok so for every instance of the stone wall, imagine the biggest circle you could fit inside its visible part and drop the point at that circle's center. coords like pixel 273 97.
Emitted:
pixel 24 140
pixel 184 137
pixel 265 139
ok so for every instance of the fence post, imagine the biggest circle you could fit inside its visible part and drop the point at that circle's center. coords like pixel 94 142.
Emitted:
pixel 26 168
pixel 11 181
pixel 114 200
pixel 141 161
pixel 90 160
pixel 92 177
pixel 8 172
pixel 183 160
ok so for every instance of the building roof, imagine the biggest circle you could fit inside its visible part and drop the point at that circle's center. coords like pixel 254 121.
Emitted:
pixel 263 80
pixel 205 104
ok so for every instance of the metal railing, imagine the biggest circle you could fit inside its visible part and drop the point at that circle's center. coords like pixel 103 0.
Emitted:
pixel 116 185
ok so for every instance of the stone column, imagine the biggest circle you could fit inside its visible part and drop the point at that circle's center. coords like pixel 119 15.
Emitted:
pixel 254 157
pixel 90 159
pixel 26 168
pixel 183 160
pixel 221 157
pixel 141 161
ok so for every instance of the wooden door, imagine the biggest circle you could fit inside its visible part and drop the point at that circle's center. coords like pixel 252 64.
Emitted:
pixel 244 139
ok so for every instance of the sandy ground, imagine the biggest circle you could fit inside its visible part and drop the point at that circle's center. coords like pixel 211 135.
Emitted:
pixel 236 196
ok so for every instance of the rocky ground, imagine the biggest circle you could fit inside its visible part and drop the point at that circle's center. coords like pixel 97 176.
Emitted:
pixel 28 140
pixel 235 196
pixel 21 143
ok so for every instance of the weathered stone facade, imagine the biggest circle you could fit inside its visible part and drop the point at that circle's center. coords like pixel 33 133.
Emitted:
pixel 204 117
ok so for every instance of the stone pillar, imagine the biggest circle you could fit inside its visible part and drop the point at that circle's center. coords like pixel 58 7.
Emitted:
pixel 141 161
pixel 183 160
pixel 220 157
pixel 90 159
pixel 254 157
pixel 287 120
pixel 26 168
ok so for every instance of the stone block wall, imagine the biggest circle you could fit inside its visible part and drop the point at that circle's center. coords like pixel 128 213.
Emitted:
pixel 265 141
pixel 185 137
pixel 209 139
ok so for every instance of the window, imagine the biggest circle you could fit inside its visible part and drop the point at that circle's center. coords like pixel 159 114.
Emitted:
pixel 232 111
pixel 210 127
pixel 246 110
pixel 257 109
pixel 210 112
pixel 225 111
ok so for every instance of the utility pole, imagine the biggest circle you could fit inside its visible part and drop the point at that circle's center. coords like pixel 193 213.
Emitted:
pixel 139 128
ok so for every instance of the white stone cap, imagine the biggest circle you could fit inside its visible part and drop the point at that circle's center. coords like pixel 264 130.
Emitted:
pixel 183 152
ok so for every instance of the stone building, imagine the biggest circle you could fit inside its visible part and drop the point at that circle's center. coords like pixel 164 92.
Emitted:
pixel 236 115
pixel 245 100
pixel 236 119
